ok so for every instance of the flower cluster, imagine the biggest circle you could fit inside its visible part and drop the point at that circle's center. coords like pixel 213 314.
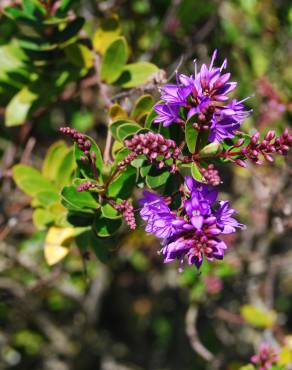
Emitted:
pixel 211 175
pixel 192 232
pixel 266 358
pixel 154 147
pixel 203 98
pixel 271 144
pixel 128 213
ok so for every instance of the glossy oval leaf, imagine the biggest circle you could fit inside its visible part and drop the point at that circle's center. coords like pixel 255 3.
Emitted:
pixel 137 74
pixel 108 211
pixel 75 200
pixel 114 60
pixel 191 136
pixel 19 106
pixel 105 227
pixel 126 130
pixel 108 31
pixel 122 186
pixel 30 180
pixel 142 106
pixel 116 124
pixel 155 181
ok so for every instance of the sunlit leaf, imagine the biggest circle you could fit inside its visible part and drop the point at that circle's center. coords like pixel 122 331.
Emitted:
pixel 57 244
pixel 114 60
pixel 137 74
pixel 79 55
pixel 74 200
pixel 108 31
pixel 259 317
pixel 30 180
pixel 18 108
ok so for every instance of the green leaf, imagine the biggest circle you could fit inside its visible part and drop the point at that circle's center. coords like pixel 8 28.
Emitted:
pixel 108 31
pixel 86 168
pixel 122 186
pixel 79 219
pixel 117 112
pixel 145 169
pixel 114 60
pixel 42 218
pixel 88 239
pixel 74 200
pixel 45 198
pixel 66 169
pixel 120 155
pixel 30 181
pixel 191 136
pixel 105 227
pixel 71 30
pixel 154 181
pixel 18 108
pixel 79 55
pixel 137 74
pixel 54 157
pixel 196 173
pixel 210 150
pixel 142 106
pixel 11 58
pixel 150 119
pixel 116 124
pixel 109 211
pixel 138 162
pixel 65 5
pixel 258 317
pixel 126 130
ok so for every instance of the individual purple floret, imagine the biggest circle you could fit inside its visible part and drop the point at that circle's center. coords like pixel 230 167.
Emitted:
pixel 204 99
pixel 160 220
pixel 191 233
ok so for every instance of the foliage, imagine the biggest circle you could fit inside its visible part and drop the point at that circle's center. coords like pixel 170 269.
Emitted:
pixel 111 303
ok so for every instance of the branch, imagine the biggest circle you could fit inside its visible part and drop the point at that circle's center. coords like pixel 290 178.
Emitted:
pixel 190 322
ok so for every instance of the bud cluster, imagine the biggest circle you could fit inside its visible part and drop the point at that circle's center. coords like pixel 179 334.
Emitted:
pixel 80 139
pixel 270 145
pixel 155 147
pixel 211 175
pixel 86 186
pixel 127 211
pixel 83 144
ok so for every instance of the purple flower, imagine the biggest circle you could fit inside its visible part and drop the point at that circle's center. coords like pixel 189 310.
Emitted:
pixel 159 219
pixel 167 114
pixel 227 119
pixel 222 128
pixel 205 95
pixel 191 233
pixel 224 218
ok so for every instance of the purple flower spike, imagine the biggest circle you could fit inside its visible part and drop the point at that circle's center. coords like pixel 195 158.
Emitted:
pixel 193 232
pixel 205 99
